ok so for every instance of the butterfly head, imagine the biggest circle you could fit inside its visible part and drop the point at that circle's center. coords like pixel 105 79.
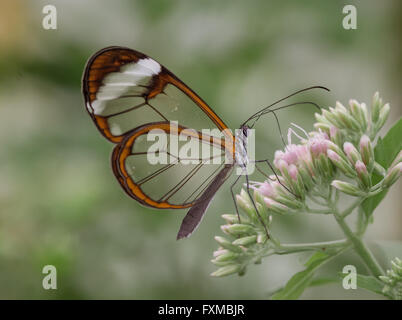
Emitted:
pixel 245 130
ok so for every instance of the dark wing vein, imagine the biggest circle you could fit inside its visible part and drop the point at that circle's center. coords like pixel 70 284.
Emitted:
pixel 181 183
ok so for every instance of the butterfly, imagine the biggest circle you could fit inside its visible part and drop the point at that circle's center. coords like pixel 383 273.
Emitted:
pixel 136 103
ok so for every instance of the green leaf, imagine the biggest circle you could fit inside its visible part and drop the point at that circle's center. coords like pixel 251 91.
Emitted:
pixel 323 281
pixel 369 283
pixel 301 280
pixel 315 257
pixel 384 152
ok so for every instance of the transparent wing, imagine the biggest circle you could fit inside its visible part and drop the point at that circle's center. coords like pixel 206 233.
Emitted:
pixel 164 166
pixel 127 95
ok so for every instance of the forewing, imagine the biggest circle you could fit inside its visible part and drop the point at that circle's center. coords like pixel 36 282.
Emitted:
pixel 124 89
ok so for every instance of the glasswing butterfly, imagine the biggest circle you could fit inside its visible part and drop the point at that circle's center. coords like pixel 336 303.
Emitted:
pixel 129 96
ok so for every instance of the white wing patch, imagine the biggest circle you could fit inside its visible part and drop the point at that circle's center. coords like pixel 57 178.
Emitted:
pixel 150 64
pixel 130 80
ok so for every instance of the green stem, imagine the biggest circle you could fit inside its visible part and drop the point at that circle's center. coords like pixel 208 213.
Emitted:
pixel 360 247
pixel 319 211
pixel 350 209
pixel 316 201
pixel 375 192
pixel 322 246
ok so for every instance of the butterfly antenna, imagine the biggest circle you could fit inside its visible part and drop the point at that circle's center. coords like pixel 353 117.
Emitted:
pixel 257 117
pixel 282 99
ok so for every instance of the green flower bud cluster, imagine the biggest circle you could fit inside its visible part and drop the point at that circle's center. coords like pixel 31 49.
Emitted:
pixel 354 163
pixel 353 121
pixel 245 239
pixel 393 280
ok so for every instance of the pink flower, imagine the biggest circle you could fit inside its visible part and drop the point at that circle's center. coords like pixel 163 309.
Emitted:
pixel 351 152
pixel 276 206
pixel 360 167
pixel 333 156
pixel 318 144
pixel 364 142
pixel 348 148
pixel 267 190
pixel 294 154
pixel 333 131
pixel 293 172
pixel 289 156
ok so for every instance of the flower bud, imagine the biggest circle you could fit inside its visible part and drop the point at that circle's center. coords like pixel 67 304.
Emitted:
pixel 384 113
pixel 300 188
pixel 244 202
pixel 396 266
pixel 341 164
pixel 262 238
pixel 332 118
pixel 366 152
pixel 291 203
pixel 219 263
pixel 284 169
pixel 267 190
pixel 363 174
pixel 245 241
pixel 226 270
pixel 347 188
pixel 320 118
pixel 318 146
pixel 349 121
pixel 379 169
pixel 376 107
pixel 219 252
pixel 397 159
pixel 359 113
pixel 280 190
pixel 231 218
pixel 261 207
pixel 226 244
pixel 322 126
pixel 326 166
pixel 393 175
pixel 225 256
pixel 336 135
pixel 293 172
pixel 306 177
pixel 339 107
pixel 351 152
pixel 365 116
pixel 237 229
pixel 276 206
pixel 282 165
pixel 337 149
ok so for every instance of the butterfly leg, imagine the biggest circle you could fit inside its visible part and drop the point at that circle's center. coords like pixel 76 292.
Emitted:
pixel 255 206
pixel 234 197
pixel 277 178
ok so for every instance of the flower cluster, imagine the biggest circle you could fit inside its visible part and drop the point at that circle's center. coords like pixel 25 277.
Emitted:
pixel 393 280
pixel 337 157
pixel 248 238
pixel 341 147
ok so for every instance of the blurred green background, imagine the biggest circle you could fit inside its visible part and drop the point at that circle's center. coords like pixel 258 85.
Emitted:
pixel 59 201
